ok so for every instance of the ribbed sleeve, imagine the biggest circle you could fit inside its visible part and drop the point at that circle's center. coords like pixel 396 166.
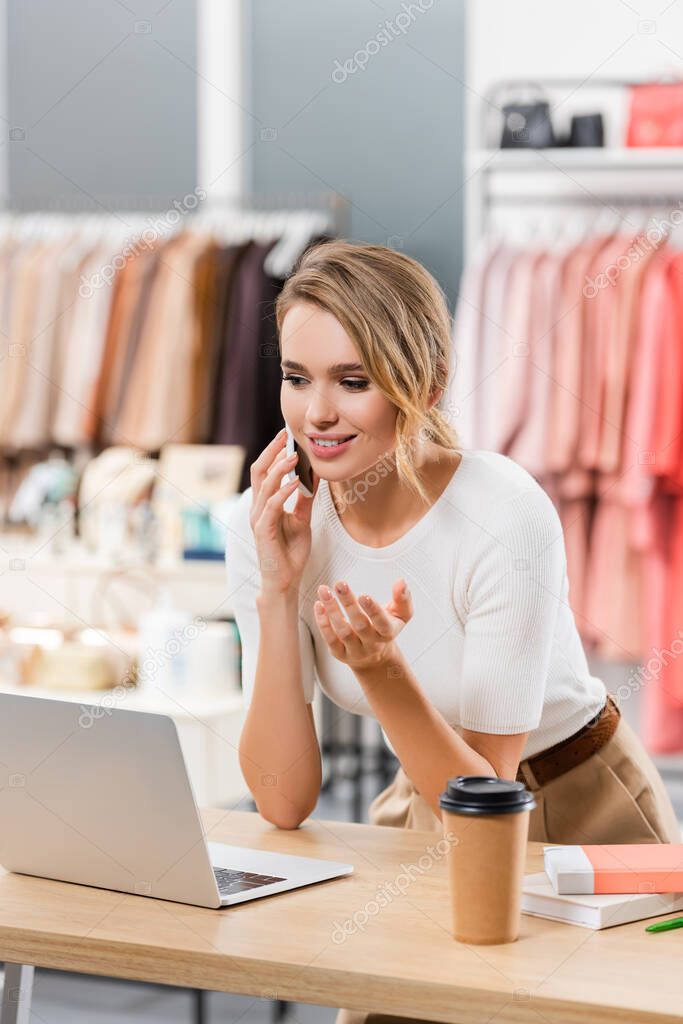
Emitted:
pixel 513 590
pixel 244 582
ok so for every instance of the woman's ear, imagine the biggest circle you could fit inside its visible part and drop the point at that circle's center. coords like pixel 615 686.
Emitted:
pixel 435 396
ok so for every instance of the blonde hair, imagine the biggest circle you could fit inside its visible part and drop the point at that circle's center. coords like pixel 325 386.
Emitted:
pixel 396 314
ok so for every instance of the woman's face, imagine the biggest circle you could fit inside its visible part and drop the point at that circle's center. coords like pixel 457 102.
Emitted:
pixel 322 399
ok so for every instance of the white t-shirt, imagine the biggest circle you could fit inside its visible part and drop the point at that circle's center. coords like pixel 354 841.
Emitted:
pixel 492 642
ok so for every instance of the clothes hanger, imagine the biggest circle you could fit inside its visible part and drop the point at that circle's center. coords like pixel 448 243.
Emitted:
pixel 530 232
pixel 494 236
pixel 294 239
pixel 674 237
pixel 607 222
pixel 635 220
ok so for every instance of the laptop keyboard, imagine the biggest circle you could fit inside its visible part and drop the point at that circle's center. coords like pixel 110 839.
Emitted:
pixel 231 882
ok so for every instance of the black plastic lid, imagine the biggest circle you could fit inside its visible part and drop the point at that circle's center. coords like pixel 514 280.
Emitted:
pixel 479 794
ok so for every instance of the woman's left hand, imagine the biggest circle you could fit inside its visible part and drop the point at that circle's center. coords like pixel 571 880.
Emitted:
pixel 367 637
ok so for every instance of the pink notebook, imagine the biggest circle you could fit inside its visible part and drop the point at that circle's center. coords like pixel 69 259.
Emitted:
pixel 623 868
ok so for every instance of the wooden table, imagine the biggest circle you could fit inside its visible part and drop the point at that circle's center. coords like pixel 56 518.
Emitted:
pixel 334 944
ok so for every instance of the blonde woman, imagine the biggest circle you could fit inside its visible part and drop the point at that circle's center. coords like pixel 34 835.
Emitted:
pixel 424 584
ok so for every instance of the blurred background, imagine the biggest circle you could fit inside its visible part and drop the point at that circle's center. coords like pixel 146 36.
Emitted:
pixel 162 167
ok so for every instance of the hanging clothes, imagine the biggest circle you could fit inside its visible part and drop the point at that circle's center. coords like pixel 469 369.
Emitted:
pixel 112 340
pixel 211 325
pixel 242 363
pixel 582 351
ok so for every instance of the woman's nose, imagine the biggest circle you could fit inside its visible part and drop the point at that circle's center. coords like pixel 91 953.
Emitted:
pixel 321 410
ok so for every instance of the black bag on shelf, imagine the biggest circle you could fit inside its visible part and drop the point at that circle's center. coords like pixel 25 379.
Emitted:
pixel 527 124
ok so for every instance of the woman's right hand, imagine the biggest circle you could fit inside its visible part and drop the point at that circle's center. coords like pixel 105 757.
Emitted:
pixel 283 539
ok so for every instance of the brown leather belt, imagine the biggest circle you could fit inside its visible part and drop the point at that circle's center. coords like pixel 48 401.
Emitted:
pixel 569 753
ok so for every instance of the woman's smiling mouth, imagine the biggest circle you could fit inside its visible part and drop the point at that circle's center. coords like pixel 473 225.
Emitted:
pixel 327 447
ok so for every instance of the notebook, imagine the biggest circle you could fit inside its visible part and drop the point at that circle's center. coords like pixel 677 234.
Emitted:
pixel 604 911
pixel 615 868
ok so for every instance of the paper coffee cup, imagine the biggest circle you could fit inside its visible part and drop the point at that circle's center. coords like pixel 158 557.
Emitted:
pixel 487 820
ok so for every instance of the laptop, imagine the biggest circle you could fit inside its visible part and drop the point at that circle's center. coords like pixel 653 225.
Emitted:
pixel 100 796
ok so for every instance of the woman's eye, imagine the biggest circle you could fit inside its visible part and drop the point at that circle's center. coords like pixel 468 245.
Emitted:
pixel 353 383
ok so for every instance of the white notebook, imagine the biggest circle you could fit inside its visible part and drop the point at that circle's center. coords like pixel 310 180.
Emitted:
pixel 540 900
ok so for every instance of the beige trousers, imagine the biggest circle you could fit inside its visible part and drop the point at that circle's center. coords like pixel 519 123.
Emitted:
pixel 616 796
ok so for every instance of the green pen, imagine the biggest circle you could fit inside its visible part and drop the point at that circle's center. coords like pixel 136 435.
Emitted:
pixel 664 926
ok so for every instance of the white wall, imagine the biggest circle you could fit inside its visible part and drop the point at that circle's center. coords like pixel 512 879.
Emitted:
pixel 587 39
pixel 587 42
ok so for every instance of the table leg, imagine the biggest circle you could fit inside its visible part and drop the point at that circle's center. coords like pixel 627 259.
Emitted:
pixel 200 1009
pixel 279 1012
pixel 16 994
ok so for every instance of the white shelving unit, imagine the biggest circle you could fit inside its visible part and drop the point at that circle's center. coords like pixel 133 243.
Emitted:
pixel 498 181
pixel 501 181
pixel 78 586
pixel 69 588
pixel 535 184
pixel 569 157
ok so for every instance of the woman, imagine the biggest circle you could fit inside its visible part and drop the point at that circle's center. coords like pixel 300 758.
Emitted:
pixel 473 666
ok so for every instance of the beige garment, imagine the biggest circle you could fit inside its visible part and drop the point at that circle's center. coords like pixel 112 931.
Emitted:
pixel 30 426
pixel 8 250
pixel 157 406
pixel 23 282
pixel 616 796
pixel 83 325
pixel 120 350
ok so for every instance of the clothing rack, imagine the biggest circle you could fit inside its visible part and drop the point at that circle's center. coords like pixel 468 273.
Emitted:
pixel 296 217
pixel 52 396
pixel 117 203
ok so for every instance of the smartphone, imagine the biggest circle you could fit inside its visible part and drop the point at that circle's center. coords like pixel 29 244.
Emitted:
pixel 303 469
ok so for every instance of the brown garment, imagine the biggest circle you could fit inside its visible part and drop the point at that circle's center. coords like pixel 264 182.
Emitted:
pixel 246 359
pixel 148 273
pixel 127 286
pixel 203 315
pixel 24 273
pixel 157 404
pixel 215 271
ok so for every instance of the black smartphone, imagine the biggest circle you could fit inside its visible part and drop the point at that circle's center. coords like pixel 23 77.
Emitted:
pixel 303 469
